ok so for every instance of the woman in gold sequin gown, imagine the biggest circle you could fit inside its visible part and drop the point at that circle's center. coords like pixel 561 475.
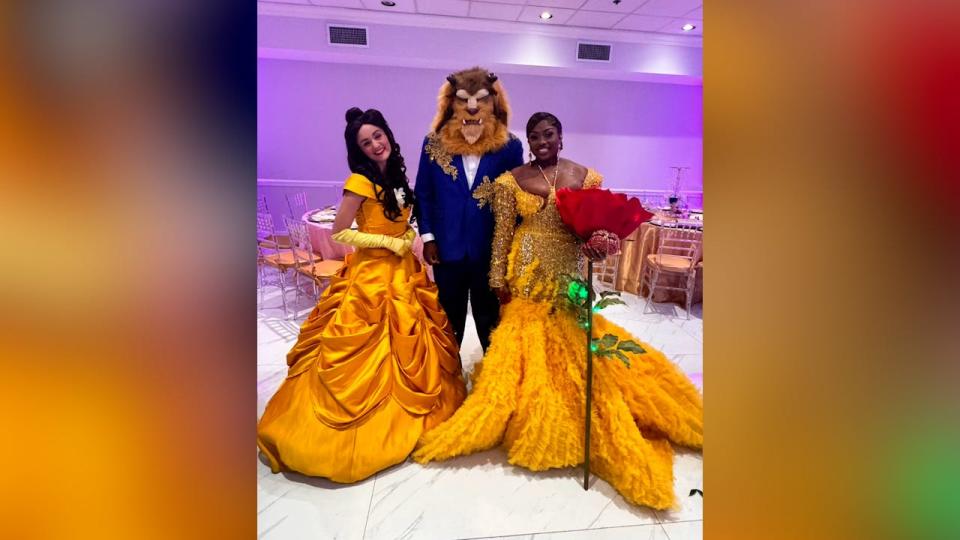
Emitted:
pixel 530 392
pixel 376 362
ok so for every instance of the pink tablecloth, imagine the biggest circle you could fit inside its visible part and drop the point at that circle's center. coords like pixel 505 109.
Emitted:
pixel 321 239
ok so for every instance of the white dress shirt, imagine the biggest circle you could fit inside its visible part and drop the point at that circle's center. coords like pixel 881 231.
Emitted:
pixel 471 162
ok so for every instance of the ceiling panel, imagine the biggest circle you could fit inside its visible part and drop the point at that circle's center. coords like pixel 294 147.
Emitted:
pixel 624 7
pixel 595 19
pixel 488 10
pixel 643 23
pixel 569 4
pixel 356 4
pixel 672 8
pixel 404 6
pixel 458 8
pixel 660 16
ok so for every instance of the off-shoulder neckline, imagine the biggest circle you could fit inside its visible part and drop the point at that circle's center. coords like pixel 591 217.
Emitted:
pixel 516 185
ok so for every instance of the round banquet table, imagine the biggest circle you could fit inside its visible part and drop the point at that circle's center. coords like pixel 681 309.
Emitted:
pixel 633 258
pixel 321 239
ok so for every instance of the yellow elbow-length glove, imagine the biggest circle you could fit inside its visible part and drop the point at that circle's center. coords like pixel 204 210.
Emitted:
pixel 400 246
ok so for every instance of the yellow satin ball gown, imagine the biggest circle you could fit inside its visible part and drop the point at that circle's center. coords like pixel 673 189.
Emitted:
pixel 530 394
pixel 375 365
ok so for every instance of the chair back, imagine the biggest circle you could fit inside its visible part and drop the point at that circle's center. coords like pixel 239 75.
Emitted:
pixel 265 229
pixel 684 242
pixel 297 203
pixel 266 236
pixel 262 206
pixel 605 271
pixel 300 242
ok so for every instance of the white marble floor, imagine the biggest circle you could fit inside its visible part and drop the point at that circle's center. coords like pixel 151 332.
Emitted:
pixel 477 496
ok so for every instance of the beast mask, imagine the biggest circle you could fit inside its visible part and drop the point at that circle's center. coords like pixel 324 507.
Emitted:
pixel 472 113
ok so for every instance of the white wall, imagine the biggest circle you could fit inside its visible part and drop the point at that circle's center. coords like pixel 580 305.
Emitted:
pixel 632 132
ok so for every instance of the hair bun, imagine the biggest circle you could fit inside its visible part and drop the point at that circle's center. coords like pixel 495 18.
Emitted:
pixel 353 113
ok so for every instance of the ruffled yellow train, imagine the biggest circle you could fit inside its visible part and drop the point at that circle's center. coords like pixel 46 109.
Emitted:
pixel 530 396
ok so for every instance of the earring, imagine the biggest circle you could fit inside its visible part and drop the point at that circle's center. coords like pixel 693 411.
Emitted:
pixel 531 156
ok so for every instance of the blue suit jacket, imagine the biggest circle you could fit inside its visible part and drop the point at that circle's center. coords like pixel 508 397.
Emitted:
pixel 446 207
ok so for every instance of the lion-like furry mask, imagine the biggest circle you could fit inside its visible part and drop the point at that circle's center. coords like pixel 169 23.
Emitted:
pixel 472 113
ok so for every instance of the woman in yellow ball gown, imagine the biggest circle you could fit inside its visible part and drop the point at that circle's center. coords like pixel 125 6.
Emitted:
pixel 530 392
pixel 376 363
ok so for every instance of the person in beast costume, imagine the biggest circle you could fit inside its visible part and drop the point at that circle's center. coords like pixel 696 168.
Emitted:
pixel 468 145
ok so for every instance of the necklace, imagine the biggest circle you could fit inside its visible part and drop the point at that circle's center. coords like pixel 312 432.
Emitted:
pixel 556 172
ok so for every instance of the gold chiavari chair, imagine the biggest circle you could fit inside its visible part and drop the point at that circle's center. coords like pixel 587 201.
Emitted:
pixel 309 263
pixel 297 204
pixel 678 252
pixel 275 241
pixel 605 271
pixel 270 254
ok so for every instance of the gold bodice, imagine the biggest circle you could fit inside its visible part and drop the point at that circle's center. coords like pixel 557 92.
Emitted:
pixel 531 257
pixel 370 217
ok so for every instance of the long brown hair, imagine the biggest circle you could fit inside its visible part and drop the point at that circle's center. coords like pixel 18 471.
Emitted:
pixel 395 175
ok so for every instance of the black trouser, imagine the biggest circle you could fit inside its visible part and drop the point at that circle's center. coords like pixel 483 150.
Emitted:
pixel 455 280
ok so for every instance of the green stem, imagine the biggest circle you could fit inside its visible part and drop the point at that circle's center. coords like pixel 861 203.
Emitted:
pixel 586 446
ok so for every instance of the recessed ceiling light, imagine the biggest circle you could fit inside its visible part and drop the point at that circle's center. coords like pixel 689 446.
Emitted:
pixel 546 15
pixel 387 3
pixel 688 27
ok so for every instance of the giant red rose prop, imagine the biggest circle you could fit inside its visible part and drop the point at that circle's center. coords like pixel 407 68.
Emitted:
pixel 600 218
pixel 587 211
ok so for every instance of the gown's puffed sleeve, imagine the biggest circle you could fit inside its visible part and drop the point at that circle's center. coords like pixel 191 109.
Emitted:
pixel 594 180
pixel 358 184
pixel 502 199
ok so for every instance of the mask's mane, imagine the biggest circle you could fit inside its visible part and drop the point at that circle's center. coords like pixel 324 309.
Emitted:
pixel 449 133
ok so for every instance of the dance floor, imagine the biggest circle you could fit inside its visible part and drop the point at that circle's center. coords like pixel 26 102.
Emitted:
pixel 477 496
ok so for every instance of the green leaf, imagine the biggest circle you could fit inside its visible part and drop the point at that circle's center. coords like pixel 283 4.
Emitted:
pixel 623 358
pixel 605 294
pixel 630 346
pixel 608 340
pixel 607 302
pixel 600 347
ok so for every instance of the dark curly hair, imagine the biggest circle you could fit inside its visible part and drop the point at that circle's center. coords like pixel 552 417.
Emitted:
pixel 395 175
pixel 538 117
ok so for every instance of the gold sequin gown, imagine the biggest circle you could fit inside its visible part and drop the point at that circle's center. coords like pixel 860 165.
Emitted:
pixel 530 393
pixel 375 365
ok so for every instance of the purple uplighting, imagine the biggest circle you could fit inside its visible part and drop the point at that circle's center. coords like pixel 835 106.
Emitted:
pixel 449 352
pixel 631 118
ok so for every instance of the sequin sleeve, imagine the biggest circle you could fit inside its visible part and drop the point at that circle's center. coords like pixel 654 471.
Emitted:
pixel 502 200
pixel 594 180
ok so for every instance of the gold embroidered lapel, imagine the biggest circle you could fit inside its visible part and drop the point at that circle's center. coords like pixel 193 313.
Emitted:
pixel 439 155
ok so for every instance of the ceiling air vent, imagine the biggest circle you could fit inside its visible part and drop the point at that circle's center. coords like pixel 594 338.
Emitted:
pixel 593 52
pixel 353 36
